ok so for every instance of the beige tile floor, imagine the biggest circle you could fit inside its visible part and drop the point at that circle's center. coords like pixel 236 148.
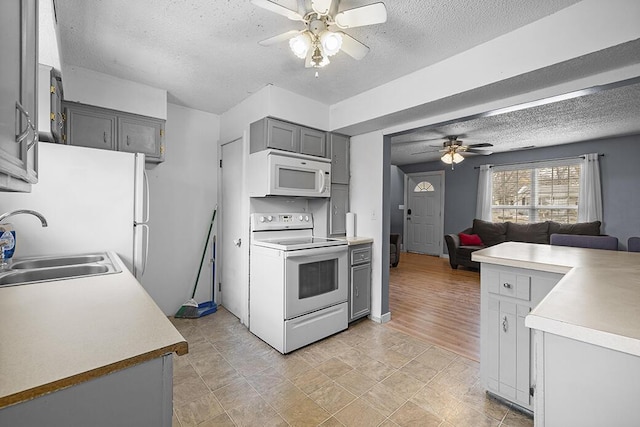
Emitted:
pixel 368 375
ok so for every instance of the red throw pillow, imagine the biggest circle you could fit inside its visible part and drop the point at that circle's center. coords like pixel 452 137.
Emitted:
pixel 470 240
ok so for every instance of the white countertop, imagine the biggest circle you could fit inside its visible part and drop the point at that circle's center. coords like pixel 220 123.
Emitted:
pixel 598 300
pixel 60 333
pixel 357 240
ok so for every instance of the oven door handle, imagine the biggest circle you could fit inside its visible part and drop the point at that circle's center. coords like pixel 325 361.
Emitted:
pixel 316 251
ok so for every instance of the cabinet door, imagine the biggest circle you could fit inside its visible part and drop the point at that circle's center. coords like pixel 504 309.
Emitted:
pixel 283 135
pixel 18 92
pixel 339 145
pixel 313 142
pixel 141 135
pixel 338 205
pixel 360 302
pixel 90 127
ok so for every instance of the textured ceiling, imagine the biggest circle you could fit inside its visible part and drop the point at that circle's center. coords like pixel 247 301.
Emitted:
pixel 606 113
pixel 205 53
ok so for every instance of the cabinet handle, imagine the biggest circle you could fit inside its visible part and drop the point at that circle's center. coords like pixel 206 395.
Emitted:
pixel 356 291
pixel 505 324
pixel 30 127
pixel 507 285
pixel 128 140
pixel 104 136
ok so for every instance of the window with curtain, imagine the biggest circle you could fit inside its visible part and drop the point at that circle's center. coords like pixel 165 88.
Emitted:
pixel 536 192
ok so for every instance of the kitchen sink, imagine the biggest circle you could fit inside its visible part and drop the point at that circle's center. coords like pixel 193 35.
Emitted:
pixel 56 261
pixel 57 268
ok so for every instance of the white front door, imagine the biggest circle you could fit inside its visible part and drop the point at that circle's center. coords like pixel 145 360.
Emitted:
pixel 424 213
pixel 231 230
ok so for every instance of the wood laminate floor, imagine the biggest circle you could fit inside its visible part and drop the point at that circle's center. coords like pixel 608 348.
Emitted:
pixel 431 301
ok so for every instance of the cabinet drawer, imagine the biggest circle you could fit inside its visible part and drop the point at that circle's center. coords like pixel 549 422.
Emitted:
pixel 514 285
pixel 361 255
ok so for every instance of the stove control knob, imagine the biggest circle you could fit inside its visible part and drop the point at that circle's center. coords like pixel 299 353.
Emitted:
pixel 269 218
pixel 261 219
pixel 306 218
pixel 300 218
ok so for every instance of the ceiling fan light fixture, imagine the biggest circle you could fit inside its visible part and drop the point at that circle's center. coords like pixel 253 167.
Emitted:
pixel 447 158
pixel 300 45
pixel 457 157
pixel 331 42
pixel 318 60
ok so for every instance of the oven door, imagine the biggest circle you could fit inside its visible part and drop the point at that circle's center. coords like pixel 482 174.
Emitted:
pixel 314 279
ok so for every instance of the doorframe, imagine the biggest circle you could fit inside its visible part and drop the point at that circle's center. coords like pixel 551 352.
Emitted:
pixel 405 232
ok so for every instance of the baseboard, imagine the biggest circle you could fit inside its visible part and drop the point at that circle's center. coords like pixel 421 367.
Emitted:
pixel 445 256
pixel 382 319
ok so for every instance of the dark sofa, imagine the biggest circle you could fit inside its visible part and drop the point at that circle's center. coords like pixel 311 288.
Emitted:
pixel 493 233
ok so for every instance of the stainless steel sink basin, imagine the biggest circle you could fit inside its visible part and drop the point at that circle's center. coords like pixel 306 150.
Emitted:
pixel 57 268
pixel 56 262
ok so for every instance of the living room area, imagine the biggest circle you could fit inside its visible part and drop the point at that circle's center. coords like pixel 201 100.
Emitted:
pixel 537 156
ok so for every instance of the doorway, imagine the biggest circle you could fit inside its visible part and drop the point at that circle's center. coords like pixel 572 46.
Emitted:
pixel 424 219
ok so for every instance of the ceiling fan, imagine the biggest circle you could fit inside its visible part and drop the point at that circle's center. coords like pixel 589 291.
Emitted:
pixel 453 147
pixel 322 36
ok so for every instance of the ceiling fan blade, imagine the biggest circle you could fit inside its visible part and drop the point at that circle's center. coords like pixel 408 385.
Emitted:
pixel 353 47
pixel 276 8
pixel 375 13
pixel 321 7
pixel 279 38
pixel 474 151
pixel 482 144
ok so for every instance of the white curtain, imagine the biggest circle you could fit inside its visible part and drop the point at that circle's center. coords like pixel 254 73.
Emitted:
pixel 485 186
pixel 590 198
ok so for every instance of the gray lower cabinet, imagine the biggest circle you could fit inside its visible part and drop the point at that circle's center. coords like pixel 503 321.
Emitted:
pixel 506 351
pixel 338 208
pixel 359 281
pixel 95 127
pixel 339 153
pixel 18 95
pixel 273 133
pixel 140 396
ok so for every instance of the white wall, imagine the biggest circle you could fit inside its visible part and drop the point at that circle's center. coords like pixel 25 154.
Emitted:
pixel 102 90
pixel 366 201
pixel 183 195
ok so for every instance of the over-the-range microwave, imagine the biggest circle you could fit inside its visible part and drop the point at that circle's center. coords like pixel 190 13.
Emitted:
pixel 280 173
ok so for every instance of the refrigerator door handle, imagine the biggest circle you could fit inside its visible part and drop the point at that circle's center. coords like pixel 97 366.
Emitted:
pixel 146 203
pixel 139 274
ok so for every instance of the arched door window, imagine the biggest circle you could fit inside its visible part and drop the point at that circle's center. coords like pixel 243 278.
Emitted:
pixel 423 186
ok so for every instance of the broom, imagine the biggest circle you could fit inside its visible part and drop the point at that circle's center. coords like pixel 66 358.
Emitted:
pixel 189 309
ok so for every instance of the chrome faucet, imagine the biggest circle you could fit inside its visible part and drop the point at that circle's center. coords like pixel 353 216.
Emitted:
pixel 24 211
pixel 7 236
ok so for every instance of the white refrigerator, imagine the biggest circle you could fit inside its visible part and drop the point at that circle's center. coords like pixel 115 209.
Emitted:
pixel 93 200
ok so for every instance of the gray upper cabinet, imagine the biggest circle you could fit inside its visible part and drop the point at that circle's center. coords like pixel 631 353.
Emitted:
pixel 281 135
pixel 88 126
pixel 18 95
pixel 339 151
pixel 313 142
pixel 141 135
pixel 50 114
pixel 106 129
pixel 338 206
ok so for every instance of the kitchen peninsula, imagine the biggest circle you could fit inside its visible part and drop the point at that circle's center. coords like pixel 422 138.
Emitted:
pixel 580 359
pixel 92 350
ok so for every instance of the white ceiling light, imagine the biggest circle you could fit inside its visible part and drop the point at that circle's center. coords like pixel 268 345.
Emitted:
pixel 331 42
pixel 300 45
pixel 319 41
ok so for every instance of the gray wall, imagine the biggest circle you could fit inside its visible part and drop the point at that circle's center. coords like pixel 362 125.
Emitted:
pixel 619 169
pixel 397 199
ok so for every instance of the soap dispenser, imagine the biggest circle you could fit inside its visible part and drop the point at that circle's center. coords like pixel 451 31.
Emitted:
pixel 7 244
pixel 8 235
